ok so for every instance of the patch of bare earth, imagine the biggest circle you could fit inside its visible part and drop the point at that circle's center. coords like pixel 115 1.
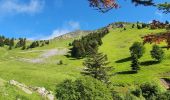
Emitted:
pixel 46 54
pixel 166 83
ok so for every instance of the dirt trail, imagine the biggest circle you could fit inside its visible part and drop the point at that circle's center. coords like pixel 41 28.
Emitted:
pixel 166 83
pixel 46 54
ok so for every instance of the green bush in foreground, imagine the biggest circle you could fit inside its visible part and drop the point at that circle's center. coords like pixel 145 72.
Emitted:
pixel 164 96
pixel 149 91
pixel 157 53
pixel 86 88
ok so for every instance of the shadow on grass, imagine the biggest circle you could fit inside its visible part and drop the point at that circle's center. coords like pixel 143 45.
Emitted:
pixel 123 60
pixel 147 63
pixel 127 72
pixel 165 47
pixel 71 58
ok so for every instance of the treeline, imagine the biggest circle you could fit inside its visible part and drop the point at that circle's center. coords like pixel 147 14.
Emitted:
pixel 88 44
pixel 40 43
pixel 6 42
pixel 153 25
pixel 21 43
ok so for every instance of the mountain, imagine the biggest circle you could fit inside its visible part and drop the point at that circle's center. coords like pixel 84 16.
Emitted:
pixel 74 34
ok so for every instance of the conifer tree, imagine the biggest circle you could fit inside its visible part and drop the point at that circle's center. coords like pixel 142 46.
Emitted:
pixel 96 66
pixel 157 53
pixel 135 63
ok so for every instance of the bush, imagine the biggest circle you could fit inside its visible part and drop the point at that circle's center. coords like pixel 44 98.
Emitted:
pixel 149 91
pixel 157 53
pixel 137 92
pixel 137 49
pixel 86 88
pixel 164 96
pixel 139 27
pixel 60 62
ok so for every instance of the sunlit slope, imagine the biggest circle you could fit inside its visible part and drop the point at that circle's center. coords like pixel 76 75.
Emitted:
pixel 116 45
pixel 21 65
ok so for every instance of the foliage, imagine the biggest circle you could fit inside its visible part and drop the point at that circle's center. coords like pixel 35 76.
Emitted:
pixel 164 96
pixel 88 44
pixel 165 7
pixel 135 63
pixel 137 92
pixel 138 26
pixel 106 5
pixel 149 91
pixel 157 53
pixel 96 67
pixel 86 88
pixel 103 5
pixel 137 49
pixel 21 43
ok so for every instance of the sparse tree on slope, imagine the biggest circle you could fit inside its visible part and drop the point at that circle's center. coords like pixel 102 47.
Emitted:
pixel 137 49
pixel 97 67
pixel 157 53
pixel 135 63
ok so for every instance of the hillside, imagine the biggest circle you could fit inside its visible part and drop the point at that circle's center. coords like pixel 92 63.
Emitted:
pixel 73 35
pixel 40 66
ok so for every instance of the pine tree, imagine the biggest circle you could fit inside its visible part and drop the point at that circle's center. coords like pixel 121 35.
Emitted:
pixel 1 42
pixel 96 67
pixel 157 53
pixel 137 49
pixel 135 63
pixel 133 26
pixel 11 43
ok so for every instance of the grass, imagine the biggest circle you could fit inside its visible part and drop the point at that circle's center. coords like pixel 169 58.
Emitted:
pixel 116 45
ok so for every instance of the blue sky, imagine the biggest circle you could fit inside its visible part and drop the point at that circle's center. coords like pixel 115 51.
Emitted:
pixel 45 19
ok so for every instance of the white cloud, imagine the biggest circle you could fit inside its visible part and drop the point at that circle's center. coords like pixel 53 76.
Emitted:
pixel 159 14
pixel 68 27
pixel 74 25
pixel 56 33
pixel 16 6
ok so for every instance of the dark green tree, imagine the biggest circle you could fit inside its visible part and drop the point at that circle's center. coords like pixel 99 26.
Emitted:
pixel 135 63
pixel 137 49
pixel 1 42
pixel 157 53
pixel 149 91
pixel 96 66
pixel 167 22
pixel 133 26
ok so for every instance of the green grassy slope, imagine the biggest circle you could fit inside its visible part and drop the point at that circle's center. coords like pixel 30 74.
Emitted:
pixel 116 45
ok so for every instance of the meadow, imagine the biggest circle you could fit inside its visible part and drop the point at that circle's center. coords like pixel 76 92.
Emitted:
pixel 48 73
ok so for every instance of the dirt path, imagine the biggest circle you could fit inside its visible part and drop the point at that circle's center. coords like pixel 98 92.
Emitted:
pixel 46 54
pixel 166 83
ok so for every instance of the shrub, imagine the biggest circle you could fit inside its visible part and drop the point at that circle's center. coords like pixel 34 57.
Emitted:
pixel 164 96
pixel 137 49
pixel 86 88
pixel 60 62
pixel 139 27
pixel 137 92
pixel 157 53
pixel 149 91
